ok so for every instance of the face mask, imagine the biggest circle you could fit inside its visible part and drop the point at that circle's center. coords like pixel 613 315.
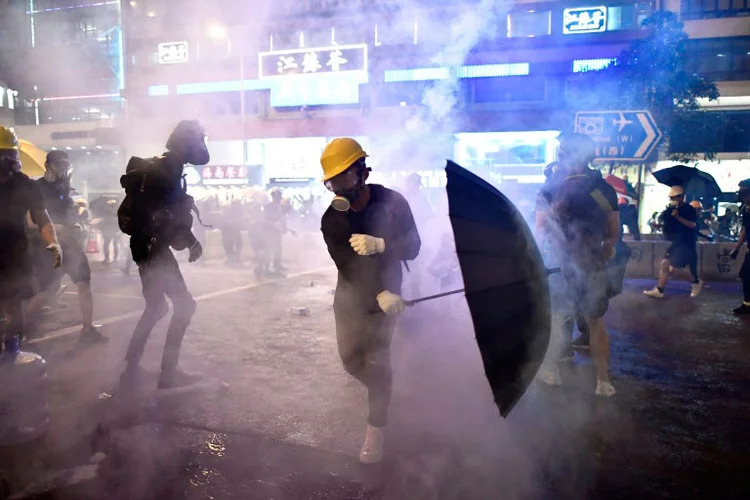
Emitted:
pixel 8 166
pixel 344 199
pixel 199 155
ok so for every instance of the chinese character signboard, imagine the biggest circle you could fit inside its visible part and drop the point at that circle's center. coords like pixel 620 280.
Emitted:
pixel 224 175
pixel 584 20
pixel 173 52
pixel 620 135
pixel 335 59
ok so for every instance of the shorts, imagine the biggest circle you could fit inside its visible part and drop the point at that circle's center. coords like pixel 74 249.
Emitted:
pixel 680 255
pixel 587 291
pixel 75 265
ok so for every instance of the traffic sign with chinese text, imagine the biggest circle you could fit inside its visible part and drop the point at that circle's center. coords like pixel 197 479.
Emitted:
pixel 620 135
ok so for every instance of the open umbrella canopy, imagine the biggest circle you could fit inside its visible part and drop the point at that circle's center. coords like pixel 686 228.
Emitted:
pixel 505 283
pixel 697 183
pixel 32 159
pixel 621 186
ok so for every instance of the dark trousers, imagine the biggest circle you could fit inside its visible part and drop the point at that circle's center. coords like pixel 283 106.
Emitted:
pixel 274 244
pixel 232 239
pixel 745 277
pixel 110 238
pixel 161 278
pixel 364 346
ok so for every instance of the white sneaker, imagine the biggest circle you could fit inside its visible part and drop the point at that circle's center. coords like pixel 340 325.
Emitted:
pixel 551 376
pixel 372 449
pixel 605 389
pixel 696 289
pixel 655 293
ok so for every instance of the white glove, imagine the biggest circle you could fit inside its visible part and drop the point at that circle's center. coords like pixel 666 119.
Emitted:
pixel 56 252
pixel 390 303
pixel 367 245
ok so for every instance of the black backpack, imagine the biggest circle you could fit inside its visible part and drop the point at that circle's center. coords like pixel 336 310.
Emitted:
pixel 156 204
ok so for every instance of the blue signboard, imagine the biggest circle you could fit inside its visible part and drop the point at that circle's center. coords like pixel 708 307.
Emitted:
pixel 584 20
pixel 620 135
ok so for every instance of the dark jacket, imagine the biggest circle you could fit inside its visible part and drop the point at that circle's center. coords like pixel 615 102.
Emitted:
pixel 388 216
pixel 156 211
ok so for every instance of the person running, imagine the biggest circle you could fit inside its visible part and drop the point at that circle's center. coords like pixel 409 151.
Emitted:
pixel 19 195
pixel 584 226
pixel 744 197
pixel 55 188
pixel 680 222
pixel 369 231
pixel 156 215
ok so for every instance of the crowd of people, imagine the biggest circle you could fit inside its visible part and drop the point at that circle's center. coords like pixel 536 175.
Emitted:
pixel 371 232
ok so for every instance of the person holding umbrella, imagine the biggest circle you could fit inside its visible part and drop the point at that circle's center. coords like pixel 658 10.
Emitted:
pixel 369 231
pixel 680 222
pixel 744 197
pixel 584 225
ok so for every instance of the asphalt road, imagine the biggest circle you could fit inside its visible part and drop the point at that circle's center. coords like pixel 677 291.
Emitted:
pixel 290 423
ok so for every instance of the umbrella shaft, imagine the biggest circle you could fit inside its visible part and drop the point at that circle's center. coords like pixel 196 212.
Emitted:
pixel 433 297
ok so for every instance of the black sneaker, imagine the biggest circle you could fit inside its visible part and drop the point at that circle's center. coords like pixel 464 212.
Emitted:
pixel 582 342
pixel 92 336
pixel 134 375
pixel 742 310
pixel 177 378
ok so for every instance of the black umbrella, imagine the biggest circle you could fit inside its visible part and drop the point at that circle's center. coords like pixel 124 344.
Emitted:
pixel 505 284
pixel 101 206
pixel 697 183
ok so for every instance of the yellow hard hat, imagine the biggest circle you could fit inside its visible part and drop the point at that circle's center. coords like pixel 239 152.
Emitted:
pixel 339 155
pixel 8 139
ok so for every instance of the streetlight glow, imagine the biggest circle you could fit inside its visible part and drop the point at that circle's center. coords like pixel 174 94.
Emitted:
pixel 217 31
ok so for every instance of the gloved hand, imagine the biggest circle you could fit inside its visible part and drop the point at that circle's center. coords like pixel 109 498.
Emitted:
pixel 367 245
pixel 57 254
pixel 390 303
pixel 195 251
pixel 734 253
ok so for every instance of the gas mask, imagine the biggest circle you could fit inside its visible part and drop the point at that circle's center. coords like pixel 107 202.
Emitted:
pixel 58 172
pixel 9 164
pixel 189 141
pixel 347 187
pixel 743 194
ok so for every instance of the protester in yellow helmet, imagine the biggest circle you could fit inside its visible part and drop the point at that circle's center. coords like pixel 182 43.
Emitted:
pixel 369 230
pixel 18 195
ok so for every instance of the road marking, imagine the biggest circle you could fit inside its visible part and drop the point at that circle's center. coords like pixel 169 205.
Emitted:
pixel 63 332
pixel 111 295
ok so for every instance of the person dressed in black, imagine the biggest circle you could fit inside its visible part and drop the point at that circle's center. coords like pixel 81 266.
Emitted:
pixel 744 197
pixel 680 221
pixel 55 188
pixel 110 232
pixel 19 195
pixel 582 222
pixel 369 231
pixel 156 213
pixel 231 232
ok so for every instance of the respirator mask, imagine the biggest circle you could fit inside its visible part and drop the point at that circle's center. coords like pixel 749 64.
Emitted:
pixel 58 171
pixel 10 163
pixel 743 194
pixel 347 187
pixel 198 153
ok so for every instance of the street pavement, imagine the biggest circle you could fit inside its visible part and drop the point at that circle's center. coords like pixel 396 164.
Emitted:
pixel 278 418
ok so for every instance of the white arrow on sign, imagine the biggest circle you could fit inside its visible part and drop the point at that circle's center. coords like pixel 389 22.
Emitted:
pixel 650 135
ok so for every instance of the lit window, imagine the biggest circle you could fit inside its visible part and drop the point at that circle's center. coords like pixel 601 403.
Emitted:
pixel 529 24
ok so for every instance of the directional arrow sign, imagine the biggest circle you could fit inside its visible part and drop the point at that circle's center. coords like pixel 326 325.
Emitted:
pixel 620 135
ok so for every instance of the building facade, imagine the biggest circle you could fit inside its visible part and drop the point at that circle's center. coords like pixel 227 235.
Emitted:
pixel 490 84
